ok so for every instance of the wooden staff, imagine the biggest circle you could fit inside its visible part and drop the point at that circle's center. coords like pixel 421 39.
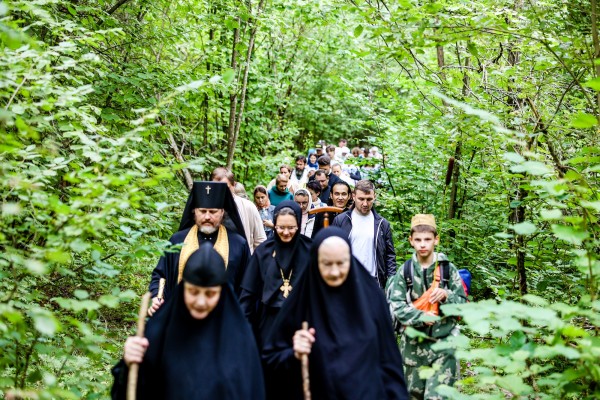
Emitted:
pixel 161 288
pixel 305 374
pixel 135 367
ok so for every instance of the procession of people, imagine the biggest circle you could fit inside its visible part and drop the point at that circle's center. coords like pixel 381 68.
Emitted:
pixel 264 300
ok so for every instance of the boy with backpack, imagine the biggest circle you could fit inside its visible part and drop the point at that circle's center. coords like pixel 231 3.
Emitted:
pixel 425 282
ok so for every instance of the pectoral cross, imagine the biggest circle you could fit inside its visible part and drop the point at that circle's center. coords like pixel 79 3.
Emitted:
pixel 286 288
pixel 207 190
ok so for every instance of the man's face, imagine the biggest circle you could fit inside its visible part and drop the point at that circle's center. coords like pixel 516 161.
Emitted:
pixel 323 180
pixel 363 201
pixel 200 300
pixel 334 261
pixel 340 196
pixel 282 184
pixel 302 201
pixel 331 153
pixel 424 243
pixel 336 170
pixel 300 164
pixel 229 185
pixel 326 168
pixel 285 171
pixel 208 219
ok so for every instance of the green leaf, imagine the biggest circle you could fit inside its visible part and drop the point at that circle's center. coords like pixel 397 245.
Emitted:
pixel 551 214
pixel 358 31
pixel 583 120
pixel 593 83
pixel 556 350
pixel 79 245
pixel 228 75
pixel 524 228
pixel 594 205
pixel 109 301
pixel 472 49
pixel 569 234
pixel 45 323
pixel 11 209
pixel 532 168
pixel 36 267
pixel 81 294
pixel 535 300
pixel 513 157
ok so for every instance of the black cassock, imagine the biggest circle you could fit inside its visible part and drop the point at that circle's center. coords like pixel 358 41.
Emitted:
pixel 168 265
pixel 355 355
pixel 261 296
pixel 213 358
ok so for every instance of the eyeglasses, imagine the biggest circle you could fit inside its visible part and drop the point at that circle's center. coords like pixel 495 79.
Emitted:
pixel 286 228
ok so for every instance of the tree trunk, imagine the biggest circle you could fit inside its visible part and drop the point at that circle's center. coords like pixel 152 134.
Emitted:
pixel 596 40
pixel 238 123
pixel 520 244
pixel 233 95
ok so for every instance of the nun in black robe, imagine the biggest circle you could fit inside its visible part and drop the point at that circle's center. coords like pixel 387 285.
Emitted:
pixel 229 239
pixel 355 355
pixel 187 358
pixel 263 287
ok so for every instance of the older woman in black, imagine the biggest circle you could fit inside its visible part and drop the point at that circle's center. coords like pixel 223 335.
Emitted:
pixel 198 345
pixel 351 345
pixel 274 269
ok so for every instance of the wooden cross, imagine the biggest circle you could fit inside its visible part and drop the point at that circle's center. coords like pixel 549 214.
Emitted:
pixel 207 190
pixel 286 288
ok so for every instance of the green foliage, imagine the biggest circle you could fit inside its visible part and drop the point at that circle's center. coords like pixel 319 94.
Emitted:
pixel 105 109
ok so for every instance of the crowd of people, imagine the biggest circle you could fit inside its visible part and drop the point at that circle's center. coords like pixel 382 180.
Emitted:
pixel 230 300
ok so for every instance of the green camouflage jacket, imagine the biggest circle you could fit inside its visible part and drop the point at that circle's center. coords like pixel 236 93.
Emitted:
pixel 403 311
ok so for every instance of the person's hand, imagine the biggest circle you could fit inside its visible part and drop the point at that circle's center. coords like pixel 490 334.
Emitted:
pixel 303 340
pixel 268 223
pixel 135 348
pixel 156 303
pixel 438 296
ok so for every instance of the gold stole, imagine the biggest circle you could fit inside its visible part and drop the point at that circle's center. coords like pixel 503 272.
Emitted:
pixel 190 245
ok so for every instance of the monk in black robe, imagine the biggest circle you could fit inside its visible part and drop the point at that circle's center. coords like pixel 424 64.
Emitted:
pixel 274 269
pixel 351 344
pixel 203 220
pixel 198 345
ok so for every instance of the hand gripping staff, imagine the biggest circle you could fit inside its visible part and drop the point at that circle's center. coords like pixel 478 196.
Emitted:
pixel 134 367
pixel 305 374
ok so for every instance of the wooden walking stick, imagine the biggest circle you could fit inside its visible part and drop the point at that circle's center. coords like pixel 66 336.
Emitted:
pixel 305 374
pixel 161 288
pixel 134 367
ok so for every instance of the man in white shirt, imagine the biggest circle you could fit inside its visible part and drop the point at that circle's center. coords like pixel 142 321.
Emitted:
pixel 299 176
pixel 370 234
pixel 253 225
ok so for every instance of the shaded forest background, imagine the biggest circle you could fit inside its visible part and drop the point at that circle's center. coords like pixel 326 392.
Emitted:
pixel 108 109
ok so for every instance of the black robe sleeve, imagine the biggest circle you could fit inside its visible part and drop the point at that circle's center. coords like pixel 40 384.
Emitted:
pixel 391 359
pixel 167 267
pixel 251 288
pixel 239 256
pixel 119 389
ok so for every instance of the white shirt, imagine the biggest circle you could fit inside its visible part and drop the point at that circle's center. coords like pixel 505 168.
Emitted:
pixel 362 240
pixel 253 226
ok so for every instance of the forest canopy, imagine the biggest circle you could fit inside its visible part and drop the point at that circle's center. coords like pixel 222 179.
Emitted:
pixel 110 108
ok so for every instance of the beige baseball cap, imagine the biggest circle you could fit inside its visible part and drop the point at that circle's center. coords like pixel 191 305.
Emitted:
pixel 423 219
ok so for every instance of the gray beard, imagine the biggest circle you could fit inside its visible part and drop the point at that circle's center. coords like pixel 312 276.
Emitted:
pixel 208 230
